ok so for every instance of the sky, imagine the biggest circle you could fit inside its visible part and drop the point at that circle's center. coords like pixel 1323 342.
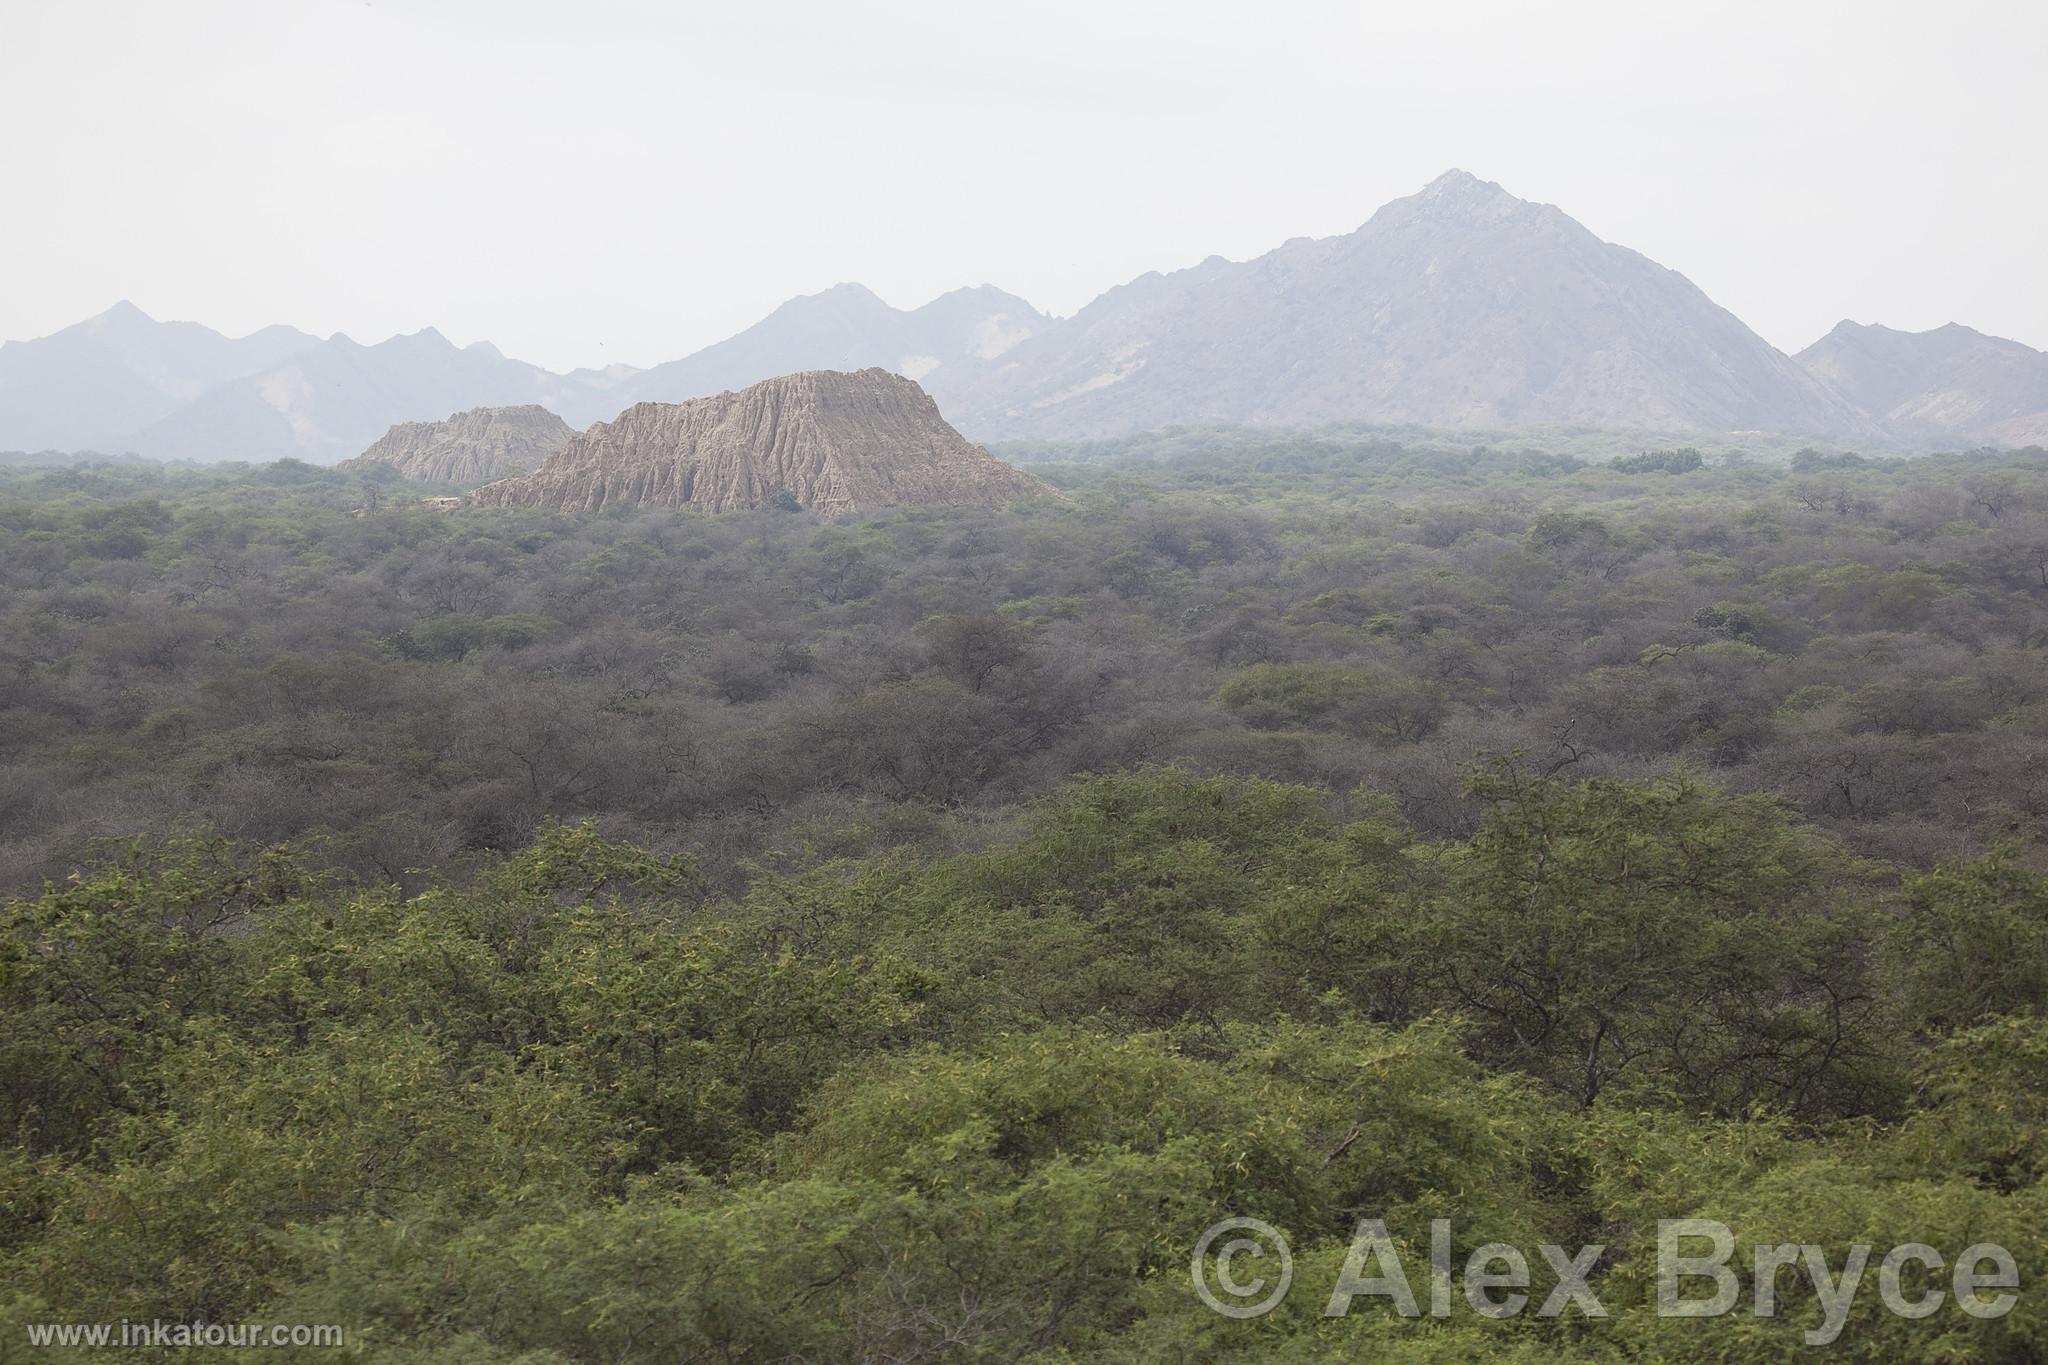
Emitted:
pixel 607 180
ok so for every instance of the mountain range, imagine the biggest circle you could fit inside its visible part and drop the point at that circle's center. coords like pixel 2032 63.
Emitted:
pixel 947 346
pixel 1458 306
pixel 1936 384
pixel 123 381
pixel 96 384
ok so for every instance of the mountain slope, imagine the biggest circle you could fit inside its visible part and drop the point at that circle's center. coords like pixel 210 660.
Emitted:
pixel 92 384
pixel 1950 382
pixel 835 442
pixel 329 402
pixel 469 447
pixel 1458 306
pixel 945 345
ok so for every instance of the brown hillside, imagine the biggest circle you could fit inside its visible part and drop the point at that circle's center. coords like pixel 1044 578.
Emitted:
pixel 483 443
pixel 838 442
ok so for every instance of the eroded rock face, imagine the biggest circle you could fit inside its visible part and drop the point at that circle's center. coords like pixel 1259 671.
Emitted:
pixel 836 442
pixel 470 447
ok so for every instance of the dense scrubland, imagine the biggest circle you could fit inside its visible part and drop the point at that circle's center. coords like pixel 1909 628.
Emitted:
pixel 248 653
pixel 525 938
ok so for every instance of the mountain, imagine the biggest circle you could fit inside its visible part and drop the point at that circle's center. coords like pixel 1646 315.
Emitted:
pixel 93 384
pixel 330 401
pixel 945 345
pixel 1947 383
pixel 601 380
pixel 1458 306
pixel 833 441
pixel 469 447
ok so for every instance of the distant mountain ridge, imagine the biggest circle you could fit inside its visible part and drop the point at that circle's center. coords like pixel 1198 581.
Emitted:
pixel 1949 382
pixel 329 401
pixel 1460 306
pixel 94 384
pixel 945 346
pixel 122 381
pixel 826 440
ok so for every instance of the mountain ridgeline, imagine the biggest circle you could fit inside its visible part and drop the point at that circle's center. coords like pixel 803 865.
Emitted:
pixel 824 440
pixel 951 344
pixel 95 385
pixel 1933 384
pixel 1460 306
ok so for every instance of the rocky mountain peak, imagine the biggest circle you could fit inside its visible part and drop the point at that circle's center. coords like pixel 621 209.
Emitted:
pixel 1455 184
pixel 1458 306
pixel 1460 195
pixel 123 315
pixel 846 297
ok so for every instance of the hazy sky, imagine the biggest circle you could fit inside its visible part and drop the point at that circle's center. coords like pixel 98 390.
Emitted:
pixel 586 181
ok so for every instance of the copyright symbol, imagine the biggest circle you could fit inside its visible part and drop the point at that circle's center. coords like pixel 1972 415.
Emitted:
pixel 1266 1241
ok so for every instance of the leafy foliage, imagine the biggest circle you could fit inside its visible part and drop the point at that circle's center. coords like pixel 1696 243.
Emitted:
pixel 578 1105
pixel 275 654
pixel 645 938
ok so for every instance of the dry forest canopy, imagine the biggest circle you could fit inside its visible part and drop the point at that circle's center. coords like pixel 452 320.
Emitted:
pixel 523 937
pixel 283 653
